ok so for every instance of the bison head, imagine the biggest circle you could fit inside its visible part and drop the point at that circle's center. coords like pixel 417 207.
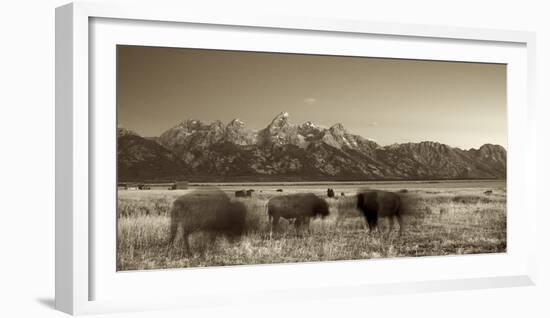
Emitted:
pixel 321 209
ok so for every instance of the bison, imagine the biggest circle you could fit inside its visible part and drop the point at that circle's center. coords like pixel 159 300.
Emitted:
pixel 207 211
pixel 330 193
pixel 249 192
pixel 240 194
pixel 375 204
pixel 300 207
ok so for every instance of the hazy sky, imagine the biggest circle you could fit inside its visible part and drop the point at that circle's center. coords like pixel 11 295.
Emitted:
pixel 388 100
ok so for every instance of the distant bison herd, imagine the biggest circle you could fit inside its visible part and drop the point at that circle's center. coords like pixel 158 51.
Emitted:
pixel 243 193
pixel 212 211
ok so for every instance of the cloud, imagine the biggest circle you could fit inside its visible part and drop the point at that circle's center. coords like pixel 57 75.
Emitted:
pixel 310 100
pixel 374 124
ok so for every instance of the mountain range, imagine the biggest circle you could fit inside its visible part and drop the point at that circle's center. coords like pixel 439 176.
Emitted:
pixel 283 151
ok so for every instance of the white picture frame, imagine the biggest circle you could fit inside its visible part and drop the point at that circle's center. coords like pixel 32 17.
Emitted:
pixel 87 283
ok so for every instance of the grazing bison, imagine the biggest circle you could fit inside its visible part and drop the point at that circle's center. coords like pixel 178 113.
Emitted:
pixel 330 193
pixel 376 204
pixel 300 207
pixel 249 192
pixel 240 194
pixel 207 211
pixel 279 190
pixel 488 192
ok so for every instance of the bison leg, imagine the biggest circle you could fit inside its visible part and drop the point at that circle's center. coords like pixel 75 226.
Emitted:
pixel 373 225
pixel 173 231
pixel 366 224
pixel 186 243
pixel 400 221
pixel 306 224
pixel 301 224
pixel 274 222
pixel 298 222
pixel 209 243
pixel 390 224
pixel 338 219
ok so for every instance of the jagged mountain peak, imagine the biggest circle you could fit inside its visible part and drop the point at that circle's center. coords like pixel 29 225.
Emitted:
pixel 490 152
pixel 281 120
pixel 236 122
pixel 125 132
pixel 309 125
pixel 281 132
pixel 492 147
pixel 217 125
pixel 281 116
pixel 189 124
pixel 338 129
pixel 190 121
pixel 309 129
pixel 237 133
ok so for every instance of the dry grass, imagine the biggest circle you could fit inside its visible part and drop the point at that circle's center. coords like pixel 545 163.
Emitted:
pixel 438 222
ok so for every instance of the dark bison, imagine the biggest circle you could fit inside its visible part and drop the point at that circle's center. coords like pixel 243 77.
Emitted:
pixel 240 194
pixel 375 204
pixel 330 193
pixel 300 207
pixel 207 211
pixel 249 192
pixel 279 190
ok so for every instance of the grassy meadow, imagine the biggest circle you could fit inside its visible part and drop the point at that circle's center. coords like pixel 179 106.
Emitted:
pixel 443 218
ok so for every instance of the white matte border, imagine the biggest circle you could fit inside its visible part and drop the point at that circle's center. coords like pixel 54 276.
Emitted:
pixel 110 285
pixel 511 268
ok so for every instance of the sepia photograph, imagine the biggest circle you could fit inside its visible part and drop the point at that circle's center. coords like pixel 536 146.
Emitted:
pixel 231 158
